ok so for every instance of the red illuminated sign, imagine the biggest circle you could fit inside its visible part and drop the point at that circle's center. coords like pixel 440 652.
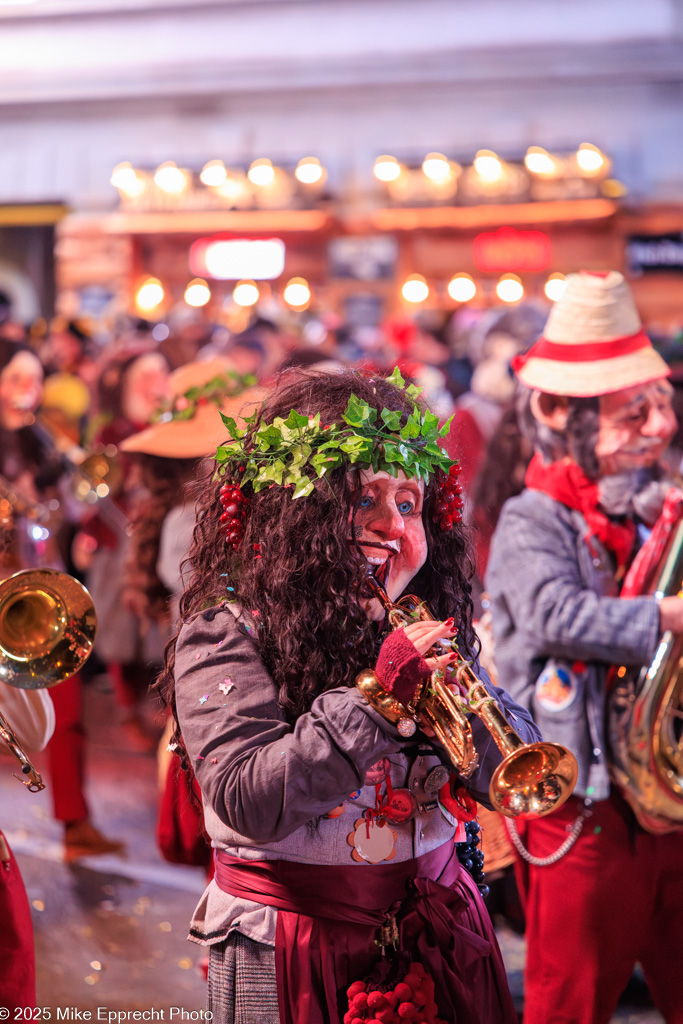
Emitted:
pixel 510 249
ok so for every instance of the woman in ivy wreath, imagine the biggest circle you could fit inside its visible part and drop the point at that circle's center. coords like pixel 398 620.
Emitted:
pixel 338 892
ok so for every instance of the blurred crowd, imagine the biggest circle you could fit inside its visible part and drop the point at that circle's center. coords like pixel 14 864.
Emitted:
pixel 88 487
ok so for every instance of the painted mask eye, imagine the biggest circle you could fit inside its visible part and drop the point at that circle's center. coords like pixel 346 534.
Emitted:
pixel 365 501
pixel 405 507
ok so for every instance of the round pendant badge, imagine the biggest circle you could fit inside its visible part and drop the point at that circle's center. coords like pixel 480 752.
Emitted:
pixel 437 778
pixel 372 842
pixel 400 807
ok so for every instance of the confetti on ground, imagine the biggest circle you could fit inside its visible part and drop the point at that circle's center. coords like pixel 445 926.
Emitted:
pixel 197 656
pixel 186 964
pixel 214 760
pixel 38 904
pixel 226 686
pixel 165 926
pixel 92 979
pixel 96 965
pixel 203 700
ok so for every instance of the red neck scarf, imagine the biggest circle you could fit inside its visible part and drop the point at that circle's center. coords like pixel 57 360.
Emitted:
pixel 567 483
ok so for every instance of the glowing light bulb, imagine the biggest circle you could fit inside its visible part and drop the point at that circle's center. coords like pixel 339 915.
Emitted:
pixel 150 294
pixel 462 288
pixel 126 179
pixel 261 172
pixel 297 292
pixel 197 293
pixel 510 288
pixel 246 293
pixel 169 178
pixel 589 158
pixel 539 161
pixel 415 288
pixel 213 173
pixel 487 165
pixel 555 286
pixel 436 167
pixel 309 170
pixel 387 168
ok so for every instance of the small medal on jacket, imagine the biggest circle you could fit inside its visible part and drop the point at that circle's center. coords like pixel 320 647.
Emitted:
pixel 399 807
pixel 437 778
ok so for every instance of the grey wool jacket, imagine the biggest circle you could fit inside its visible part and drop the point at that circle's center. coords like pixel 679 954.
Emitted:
pixel 558 625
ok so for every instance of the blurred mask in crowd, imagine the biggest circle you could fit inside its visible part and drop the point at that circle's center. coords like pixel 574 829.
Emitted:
pixel 145 386
pixel 21 388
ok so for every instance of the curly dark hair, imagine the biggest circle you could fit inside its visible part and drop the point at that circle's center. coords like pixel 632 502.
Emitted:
pixel 305 589
pixel 164 480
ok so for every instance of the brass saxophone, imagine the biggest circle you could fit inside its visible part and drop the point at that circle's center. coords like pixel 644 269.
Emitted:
pixel 532 780
pixel 645 716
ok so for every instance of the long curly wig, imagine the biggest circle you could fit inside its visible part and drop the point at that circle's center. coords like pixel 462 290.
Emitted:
pixel 306 584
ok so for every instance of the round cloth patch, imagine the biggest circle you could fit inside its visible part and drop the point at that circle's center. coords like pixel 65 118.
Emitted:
pixel 556 687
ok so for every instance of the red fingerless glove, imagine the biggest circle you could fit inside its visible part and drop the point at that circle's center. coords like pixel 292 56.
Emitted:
pixel 400 667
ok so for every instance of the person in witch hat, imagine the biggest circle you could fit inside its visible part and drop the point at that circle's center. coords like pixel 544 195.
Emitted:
pixel 568 601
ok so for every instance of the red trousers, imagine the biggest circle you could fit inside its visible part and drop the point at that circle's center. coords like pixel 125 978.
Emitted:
pixel 17 957
pixel 66 752
pixel 614 899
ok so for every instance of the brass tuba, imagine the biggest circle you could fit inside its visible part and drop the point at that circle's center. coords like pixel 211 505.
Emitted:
pixel 532 780
pixel 47 630
pixel 645 716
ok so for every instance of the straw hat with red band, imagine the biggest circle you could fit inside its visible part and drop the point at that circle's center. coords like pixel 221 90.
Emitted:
pixel 593 343
pixel 200 434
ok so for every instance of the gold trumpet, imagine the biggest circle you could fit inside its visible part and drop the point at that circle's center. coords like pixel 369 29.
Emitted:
pixel 47 630
pixel 532 780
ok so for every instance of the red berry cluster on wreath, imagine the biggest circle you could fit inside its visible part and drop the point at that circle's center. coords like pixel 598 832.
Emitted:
pixel 449 503
pixel 411 1001
pixel 234 513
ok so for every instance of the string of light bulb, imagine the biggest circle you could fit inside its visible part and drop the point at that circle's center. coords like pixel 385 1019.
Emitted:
pixel 296 293
pixel 587 160
pixel 151 295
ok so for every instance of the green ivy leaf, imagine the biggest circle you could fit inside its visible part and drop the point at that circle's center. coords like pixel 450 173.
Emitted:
pixel 269 435
pixel 430 423
pixel 235 433
pixel 413 391
pixel 303 487
pixel 446 428
pixel 392 420
pixel 396 378
pixel 358 413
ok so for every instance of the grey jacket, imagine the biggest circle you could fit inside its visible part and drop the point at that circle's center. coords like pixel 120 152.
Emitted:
pixel 558 625
pixel 266 785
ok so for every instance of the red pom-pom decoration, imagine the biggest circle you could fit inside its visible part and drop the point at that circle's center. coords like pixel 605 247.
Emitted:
pixel 449 504
pixel 406 1010
pixel 233 516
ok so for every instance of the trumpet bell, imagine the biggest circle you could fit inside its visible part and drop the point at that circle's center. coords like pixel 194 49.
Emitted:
pixel 47 628
pixel 533 780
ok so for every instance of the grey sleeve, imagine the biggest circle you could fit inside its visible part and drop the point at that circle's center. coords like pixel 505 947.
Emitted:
pixel 263 777
pixel 534 566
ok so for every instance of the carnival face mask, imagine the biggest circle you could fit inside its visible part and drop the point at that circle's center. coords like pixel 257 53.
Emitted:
pixel 145 387
pixel 389 530
pixel 21 389
pixel 636 427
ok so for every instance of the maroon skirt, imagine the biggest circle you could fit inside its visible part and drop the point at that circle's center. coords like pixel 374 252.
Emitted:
pixel 327 923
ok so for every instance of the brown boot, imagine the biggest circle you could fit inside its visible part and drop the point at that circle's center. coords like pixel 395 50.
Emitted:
pixel 82 839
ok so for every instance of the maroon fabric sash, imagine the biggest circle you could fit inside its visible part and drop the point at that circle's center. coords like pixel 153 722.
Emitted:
pixel 328 918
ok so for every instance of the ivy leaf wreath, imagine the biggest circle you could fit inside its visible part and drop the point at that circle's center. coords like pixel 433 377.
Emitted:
pixel 295 451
